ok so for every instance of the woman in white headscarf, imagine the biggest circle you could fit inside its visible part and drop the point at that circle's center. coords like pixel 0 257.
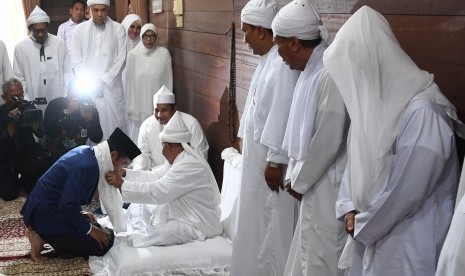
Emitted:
pixel 398 191
pixel 132 24
pixel 148 68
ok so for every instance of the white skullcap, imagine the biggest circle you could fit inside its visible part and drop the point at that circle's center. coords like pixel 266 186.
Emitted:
pixel 300 19
pixel 259 13
pixel 175 131
pixel 37 16
pixel 163 96
pixel 148 27
pixel 98 2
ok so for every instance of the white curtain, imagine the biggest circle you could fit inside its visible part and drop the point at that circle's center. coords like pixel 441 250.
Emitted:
pixel 12 24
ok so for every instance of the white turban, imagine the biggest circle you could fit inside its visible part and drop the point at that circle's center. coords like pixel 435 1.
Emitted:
pixel 259 13
pixel 300 19
pixel 37 16
pixel 98 2
pixel 175 131
pixel 148 27
pixel 163 96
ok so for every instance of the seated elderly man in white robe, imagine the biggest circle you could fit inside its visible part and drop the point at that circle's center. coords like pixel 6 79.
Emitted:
pixel 41 61
pixel 398 190
pixel 185 192
pixel 165 107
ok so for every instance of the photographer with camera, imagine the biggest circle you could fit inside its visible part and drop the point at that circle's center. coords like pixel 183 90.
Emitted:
pixel 22 160
pixel 70 121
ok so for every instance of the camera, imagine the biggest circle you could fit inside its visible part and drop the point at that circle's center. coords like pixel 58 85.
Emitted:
pixel 29 115
pixel 86 104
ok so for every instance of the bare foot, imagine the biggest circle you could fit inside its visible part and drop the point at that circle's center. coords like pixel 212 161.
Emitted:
pixel 37 244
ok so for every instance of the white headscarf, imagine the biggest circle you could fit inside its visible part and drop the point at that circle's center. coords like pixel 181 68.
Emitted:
pixel 259 12
pixel 127 22
pixel 377 80
pixel 163 96
pixel 148 27
pixel 140 48
pixel 98 2
pixel 37 16
pixel 300 19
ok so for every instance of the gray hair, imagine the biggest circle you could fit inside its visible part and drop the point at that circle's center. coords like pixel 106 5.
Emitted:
pixel 10 82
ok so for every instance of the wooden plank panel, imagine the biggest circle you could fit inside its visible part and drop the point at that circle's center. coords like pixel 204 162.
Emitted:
pixel 435 44
pixel 206 43
pixel 207 22
pixel 200 83
pixel 211 66
pixel 412 7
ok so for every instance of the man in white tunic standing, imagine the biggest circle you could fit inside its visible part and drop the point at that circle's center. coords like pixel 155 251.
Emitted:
pixel 265 222
pixel 65 30
pixel 41 60
pixel 398 191
pixel 185 193
pixel 315 140
pixel 164 104
pixel 99 52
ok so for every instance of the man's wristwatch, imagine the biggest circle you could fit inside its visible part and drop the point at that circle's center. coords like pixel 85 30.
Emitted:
pixel 274 165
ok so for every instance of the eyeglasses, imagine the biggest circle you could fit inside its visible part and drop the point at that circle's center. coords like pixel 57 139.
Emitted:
pixel 149 37
pixel 39 31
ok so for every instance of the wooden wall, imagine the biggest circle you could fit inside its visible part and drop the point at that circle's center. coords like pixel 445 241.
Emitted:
pixel 201 60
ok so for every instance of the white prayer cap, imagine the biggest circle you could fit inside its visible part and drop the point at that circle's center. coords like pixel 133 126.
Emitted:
pixel 148 27
pixel 259 12
pixel 163 96
pixel 37 16
pixel 175 131
pixel 98 2
pixel 300 19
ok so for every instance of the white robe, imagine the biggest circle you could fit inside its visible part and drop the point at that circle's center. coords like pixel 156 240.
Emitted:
pixel 146 71
pixel 265 220
pixel 101 53
pixel 150 145
pixel 319 237
pixel 451 261
pixel 188 203
pixel 411 207
pixel 6 71
pixel 47 78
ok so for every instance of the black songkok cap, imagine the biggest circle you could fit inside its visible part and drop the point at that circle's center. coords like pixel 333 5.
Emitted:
pixel 124 143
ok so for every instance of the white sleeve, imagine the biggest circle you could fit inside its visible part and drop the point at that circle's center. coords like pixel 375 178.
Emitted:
pixel 120 58
pixel 424 145
pixel 176 182
pixel 332 123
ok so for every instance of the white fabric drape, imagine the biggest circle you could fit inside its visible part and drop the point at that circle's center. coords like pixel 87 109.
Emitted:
pixel 110 196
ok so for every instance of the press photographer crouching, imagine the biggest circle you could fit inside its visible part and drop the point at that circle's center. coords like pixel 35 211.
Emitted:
pixel 70 121
pixel 22 160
